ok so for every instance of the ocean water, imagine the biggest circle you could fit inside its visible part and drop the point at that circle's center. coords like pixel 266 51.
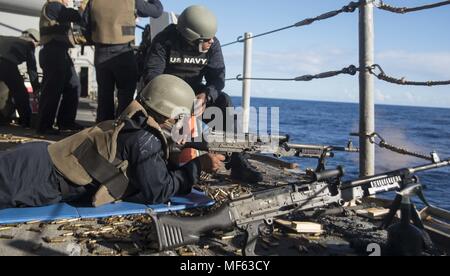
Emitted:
pixel 416 128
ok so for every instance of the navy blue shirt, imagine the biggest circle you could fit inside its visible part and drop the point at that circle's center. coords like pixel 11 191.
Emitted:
pixel 170 53
pixel 148 170
pixel 28 177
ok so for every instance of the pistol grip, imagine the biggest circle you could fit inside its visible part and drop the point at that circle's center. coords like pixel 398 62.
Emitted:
pixel 173 232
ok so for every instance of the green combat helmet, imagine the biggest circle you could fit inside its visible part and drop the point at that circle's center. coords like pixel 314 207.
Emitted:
pixel 168 96
pixel 33 33
pixel 197 23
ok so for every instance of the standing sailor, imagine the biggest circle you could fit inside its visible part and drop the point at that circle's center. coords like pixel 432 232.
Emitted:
pixel 60 77
pixel 13 52
pixel 111 26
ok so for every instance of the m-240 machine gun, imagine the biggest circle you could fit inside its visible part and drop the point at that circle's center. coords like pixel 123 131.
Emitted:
pixel 277 145
pixel 256 213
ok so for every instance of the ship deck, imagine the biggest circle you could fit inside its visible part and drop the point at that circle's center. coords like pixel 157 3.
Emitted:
pixel 347 232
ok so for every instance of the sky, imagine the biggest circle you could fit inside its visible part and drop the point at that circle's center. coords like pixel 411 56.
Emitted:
pixel 415 46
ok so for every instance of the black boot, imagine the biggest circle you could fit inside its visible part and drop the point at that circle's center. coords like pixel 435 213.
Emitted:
pixel 74 127
pixel 48 131
pixel 25 123
pixel 242 170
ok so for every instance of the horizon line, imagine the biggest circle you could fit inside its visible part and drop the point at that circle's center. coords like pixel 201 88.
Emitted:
pixel 344 102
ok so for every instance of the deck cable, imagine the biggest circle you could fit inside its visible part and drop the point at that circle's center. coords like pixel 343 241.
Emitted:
pixel 378 140
pixel 375 70
pixel 403 10
pixel 381 75
pixel 350 70
pixel 350 8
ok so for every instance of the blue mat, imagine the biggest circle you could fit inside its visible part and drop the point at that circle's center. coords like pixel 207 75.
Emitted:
pixel 65 211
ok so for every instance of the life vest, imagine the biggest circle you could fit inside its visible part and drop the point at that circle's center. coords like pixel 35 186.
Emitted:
pixel 52 30
pixel 113 21
pixel 90 156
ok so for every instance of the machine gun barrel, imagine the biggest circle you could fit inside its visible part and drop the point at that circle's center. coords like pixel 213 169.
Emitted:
pixel 349 148
pixel 430 166
pixel 315 151
pixel 389 179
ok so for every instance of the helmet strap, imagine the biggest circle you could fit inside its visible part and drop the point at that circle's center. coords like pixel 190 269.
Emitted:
pixel 150 112
pixel 160 119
